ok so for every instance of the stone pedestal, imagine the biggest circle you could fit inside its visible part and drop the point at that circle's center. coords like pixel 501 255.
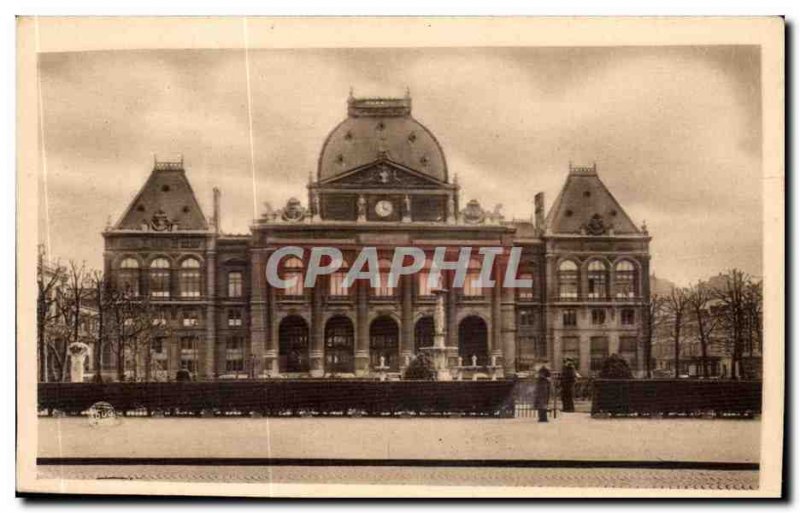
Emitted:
pixel 78 353
pixel 317 364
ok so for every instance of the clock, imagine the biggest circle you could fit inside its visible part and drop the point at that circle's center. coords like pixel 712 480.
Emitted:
pixel 384 208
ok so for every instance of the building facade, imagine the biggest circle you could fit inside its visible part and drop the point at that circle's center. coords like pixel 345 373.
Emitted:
pixel 383 181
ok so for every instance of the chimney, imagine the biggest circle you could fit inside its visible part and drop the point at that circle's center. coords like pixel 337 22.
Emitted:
pixel 217 220
pixel 538 210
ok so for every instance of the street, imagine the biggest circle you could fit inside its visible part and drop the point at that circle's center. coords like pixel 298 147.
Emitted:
pixel 569 451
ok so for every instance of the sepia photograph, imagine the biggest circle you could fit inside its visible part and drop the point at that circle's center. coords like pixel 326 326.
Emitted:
pixel 400 257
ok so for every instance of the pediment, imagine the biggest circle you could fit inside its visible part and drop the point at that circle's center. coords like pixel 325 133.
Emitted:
pixel 383 174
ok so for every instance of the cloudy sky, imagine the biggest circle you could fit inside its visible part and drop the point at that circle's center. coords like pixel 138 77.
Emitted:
pixel 675 133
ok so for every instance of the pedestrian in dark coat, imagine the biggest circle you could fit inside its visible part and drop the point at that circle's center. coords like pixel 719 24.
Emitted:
pixel 568 376
pixel 541 393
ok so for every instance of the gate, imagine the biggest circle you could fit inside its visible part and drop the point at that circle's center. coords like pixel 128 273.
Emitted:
pixel 523 396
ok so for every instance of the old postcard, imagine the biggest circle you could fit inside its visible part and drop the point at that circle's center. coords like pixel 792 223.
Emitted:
pixel 401 257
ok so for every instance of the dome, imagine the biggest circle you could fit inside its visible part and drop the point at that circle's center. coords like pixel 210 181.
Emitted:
pixel 381 128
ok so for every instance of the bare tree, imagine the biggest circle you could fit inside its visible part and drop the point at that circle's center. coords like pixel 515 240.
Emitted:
pixel 133 324
pixel 740 314
pixel 653 318
pixel 48 279
pixel 699 298
pixel 676 306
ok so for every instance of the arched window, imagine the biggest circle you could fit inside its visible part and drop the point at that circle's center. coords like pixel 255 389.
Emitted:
pixel 568 280
pixel 293 268
pixel 336 282
pixel 473 275
pixel 625 285
pixel 159 278
pixel 190 278
pixel 385 289
pixel 128 276
pixel 424 288
pixel 424 332
pixel 597 280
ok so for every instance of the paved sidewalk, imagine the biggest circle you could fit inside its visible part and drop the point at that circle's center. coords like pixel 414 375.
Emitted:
pixel 558 477
pixel 574 436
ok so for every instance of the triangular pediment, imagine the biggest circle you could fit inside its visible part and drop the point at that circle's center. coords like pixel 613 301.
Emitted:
pixel 383 174
pixel 166 202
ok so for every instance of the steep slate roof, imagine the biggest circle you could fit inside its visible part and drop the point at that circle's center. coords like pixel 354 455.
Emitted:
pixel 583 197
pixel 166 192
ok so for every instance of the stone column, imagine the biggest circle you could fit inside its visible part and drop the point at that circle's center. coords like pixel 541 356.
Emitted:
pixel 452 313
pixel 407 326
pixel 258 310
pixel 208 349
pixel 613 343
pixel 272 352
pixel 362 329
pixel 557 352
pixel 585 349
pixel 496 337
pixel 508 330
pixel 317 350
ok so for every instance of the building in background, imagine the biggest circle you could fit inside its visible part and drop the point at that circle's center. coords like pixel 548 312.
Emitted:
pixel 383 181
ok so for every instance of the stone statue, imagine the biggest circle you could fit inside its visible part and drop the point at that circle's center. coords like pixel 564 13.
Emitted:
pixel 78 352
pixel 474 360
pixel 362 208
pixel 316 211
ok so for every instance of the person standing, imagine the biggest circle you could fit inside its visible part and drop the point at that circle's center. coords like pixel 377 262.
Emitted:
pixel 541 393
pixel 568 376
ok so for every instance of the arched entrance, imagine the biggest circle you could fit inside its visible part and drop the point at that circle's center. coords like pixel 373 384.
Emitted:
pixel 293 344
pixel 384 340
pixel 423 333
pixel 473 339
pixel 339 344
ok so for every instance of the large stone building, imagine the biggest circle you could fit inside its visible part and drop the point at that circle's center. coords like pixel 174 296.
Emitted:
pixel 382 181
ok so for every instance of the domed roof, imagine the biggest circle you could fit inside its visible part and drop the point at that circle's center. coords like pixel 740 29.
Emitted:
pixel 379 128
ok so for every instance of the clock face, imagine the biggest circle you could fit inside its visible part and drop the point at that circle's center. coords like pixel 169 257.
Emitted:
pixel 384 208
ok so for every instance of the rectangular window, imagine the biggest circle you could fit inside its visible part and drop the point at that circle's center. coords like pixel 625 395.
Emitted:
pixel 570 318
pixel 628 316
pixel 570 349
pixel 384 289
pixel 234 318
pixel 235 284
pixel 234 365
pixel 598 316
pixel 624 284
pixel 190 283
pixel 525 293
pixel 189 353
pixel 470 289
pixel 337 285
pixel 234 354
pixel 423 288
pixel 129 281
pixel 597 286
pixel 159 283
pixel 190 318
pixel 234 343
pixel 629 350
pixel 157 345
pixel 598 352
pixel 568 285
pixel 188 344
pixel 525 317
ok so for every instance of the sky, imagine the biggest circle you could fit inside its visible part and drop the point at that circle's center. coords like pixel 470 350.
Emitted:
pixel 675 133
